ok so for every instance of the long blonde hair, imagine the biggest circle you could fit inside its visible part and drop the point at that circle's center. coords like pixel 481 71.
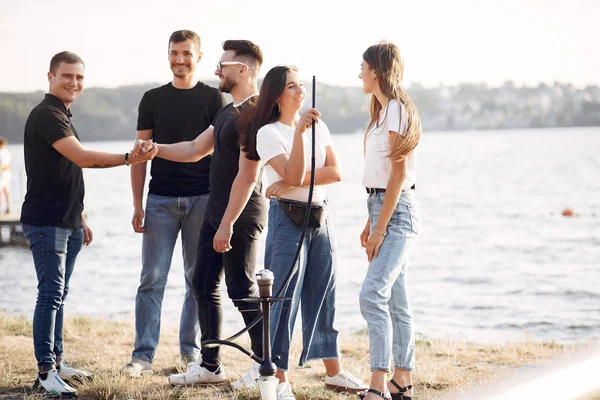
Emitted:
pixel 384 58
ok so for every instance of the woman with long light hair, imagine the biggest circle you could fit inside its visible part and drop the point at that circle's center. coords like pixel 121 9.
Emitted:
pixel 390 146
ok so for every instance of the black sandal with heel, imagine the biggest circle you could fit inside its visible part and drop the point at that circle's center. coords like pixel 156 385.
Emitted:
pixel 361 396
pixel 401 390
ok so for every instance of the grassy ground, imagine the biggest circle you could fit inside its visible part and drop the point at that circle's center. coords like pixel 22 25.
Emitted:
pixel 592 396
pixel 104 347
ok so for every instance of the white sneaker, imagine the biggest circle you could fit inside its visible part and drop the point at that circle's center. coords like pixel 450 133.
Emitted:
pixel 66 372
pixel 198 375
pixel 249 379
pixel 137 368
pixel 284 391
pixel 55 386
pixel 344 381
pixel 188 358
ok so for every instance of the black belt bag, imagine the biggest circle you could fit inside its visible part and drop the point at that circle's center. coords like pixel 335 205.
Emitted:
pixel 296 210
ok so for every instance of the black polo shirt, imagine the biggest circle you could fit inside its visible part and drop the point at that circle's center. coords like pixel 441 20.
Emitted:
pixel 55 188
pixel 176 115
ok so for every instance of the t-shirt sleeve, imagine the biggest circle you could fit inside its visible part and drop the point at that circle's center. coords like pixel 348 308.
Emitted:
pixel 215 116
pixel 397 118
pixel 323 134
pixel 216 105
pixel 145 118
pixel 52 125
pixel 393 117
pixel 268 143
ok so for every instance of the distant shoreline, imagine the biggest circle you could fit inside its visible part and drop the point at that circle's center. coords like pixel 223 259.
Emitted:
pixel 360 133
pixel 111 113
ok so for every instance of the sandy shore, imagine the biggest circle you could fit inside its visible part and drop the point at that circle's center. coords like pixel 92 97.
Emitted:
pixel 104 347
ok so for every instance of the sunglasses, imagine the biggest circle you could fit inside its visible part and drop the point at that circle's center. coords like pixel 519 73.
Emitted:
pixel 221 64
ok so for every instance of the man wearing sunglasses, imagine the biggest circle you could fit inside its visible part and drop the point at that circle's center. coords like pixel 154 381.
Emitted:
pixel 235 217
pixel 177 199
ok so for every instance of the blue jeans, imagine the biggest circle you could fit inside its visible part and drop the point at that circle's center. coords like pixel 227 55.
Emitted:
pixel 384 296
pixel 54 253
pixel 165 218
pixel 312 287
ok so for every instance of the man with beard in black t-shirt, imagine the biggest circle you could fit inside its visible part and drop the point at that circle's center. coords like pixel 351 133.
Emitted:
pixel 176 203
pixel 235 217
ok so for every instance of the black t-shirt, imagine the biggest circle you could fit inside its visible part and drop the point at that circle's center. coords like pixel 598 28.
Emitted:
pixel 224 168
pixel 55 188
pixel 177 115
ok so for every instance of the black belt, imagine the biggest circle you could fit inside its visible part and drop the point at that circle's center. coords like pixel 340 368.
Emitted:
pixel 377 190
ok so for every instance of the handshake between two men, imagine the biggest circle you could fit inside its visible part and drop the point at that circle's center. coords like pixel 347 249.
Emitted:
pixel 143 150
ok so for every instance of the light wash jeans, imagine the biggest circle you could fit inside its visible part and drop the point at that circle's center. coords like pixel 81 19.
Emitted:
pixel 54 253
pixel 312 287
pixel 165 218
pixel 384 300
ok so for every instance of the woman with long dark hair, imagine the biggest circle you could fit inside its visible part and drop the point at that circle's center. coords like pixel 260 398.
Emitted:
pixel 390 173
pixel 275 131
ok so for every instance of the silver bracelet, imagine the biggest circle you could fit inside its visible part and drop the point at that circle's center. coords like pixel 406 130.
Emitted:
pixel 381 233
pixel 224 231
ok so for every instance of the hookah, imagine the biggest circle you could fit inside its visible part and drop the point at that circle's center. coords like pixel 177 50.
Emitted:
pixel 267 383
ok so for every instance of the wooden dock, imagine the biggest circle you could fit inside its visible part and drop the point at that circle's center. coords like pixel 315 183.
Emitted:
pixel 9 219
pixel 11 233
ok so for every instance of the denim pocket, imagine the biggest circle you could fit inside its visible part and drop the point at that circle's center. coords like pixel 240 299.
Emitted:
pixel 331 235
pixel 285 236
pixel 409 210
pixel 26 229
pixel 276 214
pixel 402 219
pixel 406 216
pixel 152 204
pixel 415 218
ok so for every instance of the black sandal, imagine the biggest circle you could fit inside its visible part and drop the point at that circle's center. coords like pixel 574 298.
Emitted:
pixel 374 391
pixel 401 390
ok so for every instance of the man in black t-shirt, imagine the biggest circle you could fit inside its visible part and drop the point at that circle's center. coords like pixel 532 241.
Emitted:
pixel 177 198
pixel 51 214
pixel 235 217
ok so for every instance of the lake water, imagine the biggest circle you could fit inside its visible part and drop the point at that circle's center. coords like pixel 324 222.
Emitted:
pixel 496 260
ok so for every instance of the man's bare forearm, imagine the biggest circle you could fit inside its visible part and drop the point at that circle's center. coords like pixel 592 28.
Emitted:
pixel 138 179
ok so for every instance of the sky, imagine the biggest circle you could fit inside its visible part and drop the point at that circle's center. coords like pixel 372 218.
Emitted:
pixel 124 42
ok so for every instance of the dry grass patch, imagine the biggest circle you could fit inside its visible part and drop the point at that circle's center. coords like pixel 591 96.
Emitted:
pixel 14 325
pixel 591 396
pixel 104 347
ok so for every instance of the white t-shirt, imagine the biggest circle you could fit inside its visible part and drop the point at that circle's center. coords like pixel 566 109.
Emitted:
pixel 277 138
pixel 5 174
pixel 378 166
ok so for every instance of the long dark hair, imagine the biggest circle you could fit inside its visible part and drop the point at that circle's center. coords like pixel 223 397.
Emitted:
pixel 384 58
pixel 264 111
